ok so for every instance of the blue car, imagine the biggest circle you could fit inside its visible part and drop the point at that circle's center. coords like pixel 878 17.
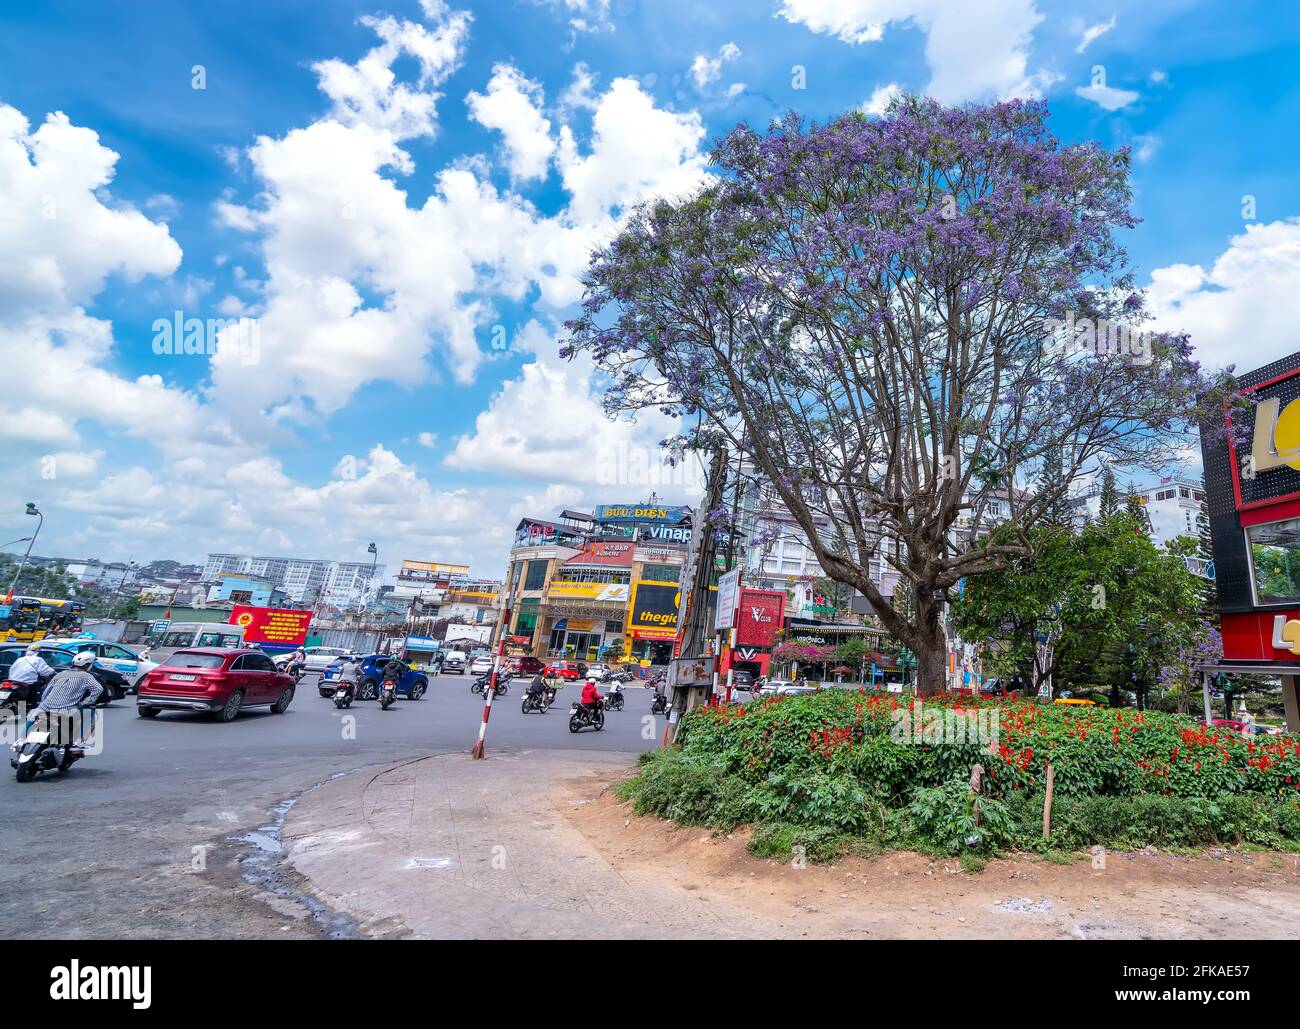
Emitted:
pixel 411 685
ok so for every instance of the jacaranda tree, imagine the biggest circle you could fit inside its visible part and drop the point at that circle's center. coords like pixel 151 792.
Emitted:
pixel 860 309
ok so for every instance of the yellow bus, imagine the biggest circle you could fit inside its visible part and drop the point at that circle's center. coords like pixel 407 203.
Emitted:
pixel 20 620
pixel 60 618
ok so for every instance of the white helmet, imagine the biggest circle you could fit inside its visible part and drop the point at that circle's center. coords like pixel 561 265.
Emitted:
pixel 83 660
pixel 591 679
pixel 33 648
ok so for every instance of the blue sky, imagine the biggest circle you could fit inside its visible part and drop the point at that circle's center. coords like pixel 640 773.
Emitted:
pixel 388 218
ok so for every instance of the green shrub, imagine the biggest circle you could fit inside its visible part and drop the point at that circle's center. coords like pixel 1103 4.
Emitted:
pixel 785 842
pixel 837 767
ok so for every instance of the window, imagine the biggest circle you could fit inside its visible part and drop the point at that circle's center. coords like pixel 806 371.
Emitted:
pixel 536 575
pixel 187 660
pixel 1184 492
pixel 613 627
pixel 1275 561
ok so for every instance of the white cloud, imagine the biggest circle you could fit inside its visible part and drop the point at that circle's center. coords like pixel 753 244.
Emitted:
pixel 584 15
pixel 59 241
pixel 973 50
pixel 512 106
pixel 1243 309
pixel 1106 97
pixel 547 424
pixel 880 98
pixel 428 439
pixel 706 69
pixel 1146 147
pixel 1090 34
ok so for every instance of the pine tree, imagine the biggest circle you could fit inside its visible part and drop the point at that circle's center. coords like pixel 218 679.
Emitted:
pixel 1109 492
pixel 1135 507
pixel 1051 481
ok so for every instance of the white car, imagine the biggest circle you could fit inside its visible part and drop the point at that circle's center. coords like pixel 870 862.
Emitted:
pixel 318 658
pixel 480 665
pixel 131 664
pixel 783 688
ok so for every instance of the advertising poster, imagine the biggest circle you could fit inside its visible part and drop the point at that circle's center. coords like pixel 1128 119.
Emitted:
pixel 273 629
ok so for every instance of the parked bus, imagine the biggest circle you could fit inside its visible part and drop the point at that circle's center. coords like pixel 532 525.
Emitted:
pixel 20 620
pixel 60 618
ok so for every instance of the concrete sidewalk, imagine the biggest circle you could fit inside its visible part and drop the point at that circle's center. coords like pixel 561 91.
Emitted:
pixel 447 847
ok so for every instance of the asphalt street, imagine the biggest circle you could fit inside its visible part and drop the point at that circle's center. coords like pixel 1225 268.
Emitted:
pixel 170 831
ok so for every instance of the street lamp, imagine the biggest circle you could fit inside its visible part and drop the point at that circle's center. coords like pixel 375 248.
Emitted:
pixel 40 520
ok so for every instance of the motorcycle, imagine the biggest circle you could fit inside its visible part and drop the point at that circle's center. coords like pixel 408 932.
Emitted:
pixel 387 694
pixel 344 694
pixel 581 716
pixel 614 699
pixel 17 697
pixel 56 746
pixel 503 684
pixel 539 702
pixel 659 704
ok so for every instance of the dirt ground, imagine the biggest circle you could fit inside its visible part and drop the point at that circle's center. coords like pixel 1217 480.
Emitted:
pixel 1123 895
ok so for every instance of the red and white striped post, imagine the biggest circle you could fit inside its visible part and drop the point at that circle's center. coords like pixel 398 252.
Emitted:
pixel 478 751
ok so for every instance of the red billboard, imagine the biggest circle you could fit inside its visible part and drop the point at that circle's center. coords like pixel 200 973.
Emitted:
pixel 616 553
pixel 272 628
pixel 759 617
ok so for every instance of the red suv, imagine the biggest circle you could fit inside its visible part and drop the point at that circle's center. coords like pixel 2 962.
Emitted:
pixel 566 670
pixel 222 682
pixel 526 665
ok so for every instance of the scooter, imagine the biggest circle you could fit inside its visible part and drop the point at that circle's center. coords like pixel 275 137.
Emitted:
pixel 387 694
pixel 659 704
pixel 51 743
pixel 344 694
pixel 614 698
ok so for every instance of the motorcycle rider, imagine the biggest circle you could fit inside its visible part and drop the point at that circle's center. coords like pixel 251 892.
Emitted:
pixel 69 690
pixel 296 661
pixel 349 672
pixel 30 670
pixel 591 698
pixel 392 670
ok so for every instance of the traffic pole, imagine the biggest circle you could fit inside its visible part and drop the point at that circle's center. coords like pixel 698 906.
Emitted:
pixel 478 751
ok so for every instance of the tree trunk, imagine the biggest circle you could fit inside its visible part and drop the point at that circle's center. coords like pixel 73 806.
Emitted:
pixel 931 648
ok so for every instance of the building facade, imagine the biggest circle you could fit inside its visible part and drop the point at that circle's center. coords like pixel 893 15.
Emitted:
pixel 305 580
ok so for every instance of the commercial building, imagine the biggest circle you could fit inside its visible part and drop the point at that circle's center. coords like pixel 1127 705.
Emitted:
pixel 1252 477
pixel 598 586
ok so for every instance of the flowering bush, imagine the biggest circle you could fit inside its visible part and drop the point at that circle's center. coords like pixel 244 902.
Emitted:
pixel 1094 751
pixel 816 774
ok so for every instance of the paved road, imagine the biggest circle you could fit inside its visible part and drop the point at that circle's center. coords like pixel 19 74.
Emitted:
pixel 144 839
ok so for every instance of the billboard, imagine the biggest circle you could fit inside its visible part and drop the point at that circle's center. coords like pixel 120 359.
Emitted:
pixel 724 615
pixel 605 553
pixel 603 591
pixel 759 617
pixel 273 629
pixel 641 513
pixel 654 610
pixel 433 569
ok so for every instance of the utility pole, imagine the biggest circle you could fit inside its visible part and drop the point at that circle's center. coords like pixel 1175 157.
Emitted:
pixel 694 625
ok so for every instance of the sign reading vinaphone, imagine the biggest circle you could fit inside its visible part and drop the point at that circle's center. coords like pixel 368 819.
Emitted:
pixel 1252 480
